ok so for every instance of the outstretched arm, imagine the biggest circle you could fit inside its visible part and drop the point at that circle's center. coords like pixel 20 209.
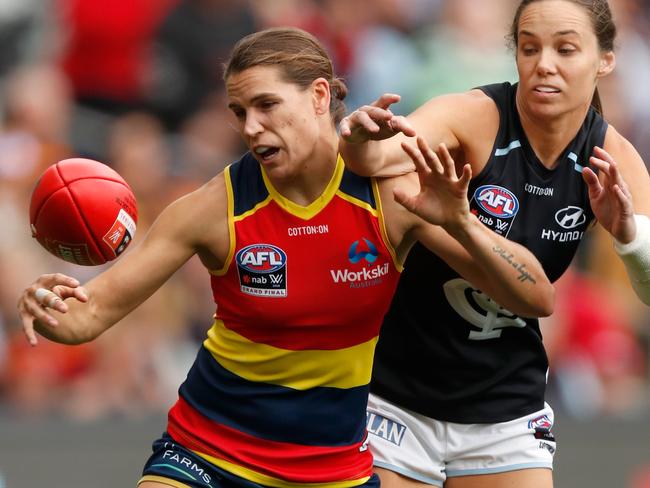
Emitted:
pixel 57 307
pixel 371 136
pixel 508 272
pixel 364 133
pixel 620 199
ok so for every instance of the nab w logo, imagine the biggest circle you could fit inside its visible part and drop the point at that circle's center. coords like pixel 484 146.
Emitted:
pixel 387 429
pixel 367 252
pixel 262 270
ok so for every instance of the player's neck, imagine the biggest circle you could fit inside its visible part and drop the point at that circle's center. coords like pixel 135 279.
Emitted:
pixel 311 180
pixel 550 137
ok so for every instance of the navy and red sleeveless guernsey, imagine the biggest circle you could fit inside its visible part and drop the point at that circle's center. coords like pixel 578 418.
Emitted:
pixel 449 352
pixel 278 392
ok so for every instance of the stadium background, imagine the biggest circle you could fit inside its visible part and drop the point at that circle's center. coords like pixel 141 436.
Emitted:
pixel 136 84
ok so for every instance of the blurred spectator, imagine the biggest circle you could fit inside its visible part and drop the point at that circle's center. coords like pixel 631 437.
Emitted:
pixel 107 55
pixel 27 32
pixel 192 42
pixel 596 362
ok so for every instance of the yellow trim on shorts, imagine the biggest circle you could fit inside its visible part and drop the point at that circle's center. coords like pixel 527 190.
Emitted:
pixel 317 205
pixel 301 370
pixel 263 479
pixel 382 226
pixel 163 480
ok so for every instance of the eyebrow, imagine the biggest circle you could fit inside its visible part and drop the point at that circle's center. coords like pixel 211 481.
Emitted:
pixel 253 100
pixel 557 34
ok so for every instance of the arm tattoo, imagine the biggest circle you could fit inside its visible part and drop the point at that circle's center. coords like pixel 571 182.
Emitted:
pixel 524 275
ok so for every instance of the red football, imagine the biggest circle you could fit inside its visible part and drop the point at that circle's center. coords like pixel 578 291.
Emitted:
pixel 83 211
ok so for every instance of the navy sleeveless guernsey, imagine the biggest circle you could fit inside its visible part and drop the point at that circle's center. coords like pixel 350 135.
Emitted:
pixel 446 350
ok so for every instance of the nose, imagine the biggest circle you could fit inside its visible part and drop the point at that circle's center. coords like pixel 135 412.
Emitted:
pixel 252 125
pixel 546 62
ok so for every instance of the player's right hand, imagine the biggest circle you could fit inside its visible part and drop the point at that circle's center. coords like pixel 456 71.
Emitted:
pixel 47 292
pixel 374 122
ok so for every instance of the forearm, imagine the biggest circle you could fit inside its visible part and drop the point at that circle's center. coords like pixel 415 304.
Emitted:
pixel 636 258
pixel 508 272
pixel 364 159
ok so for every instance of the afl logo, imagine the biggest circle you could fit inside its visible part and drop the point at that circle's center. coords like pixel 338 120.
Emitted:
pixel 497 201
pixel 261 258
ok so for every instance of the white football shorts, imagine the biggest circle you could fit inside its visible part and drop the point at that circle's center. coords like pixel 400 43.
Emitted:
pixel 430 451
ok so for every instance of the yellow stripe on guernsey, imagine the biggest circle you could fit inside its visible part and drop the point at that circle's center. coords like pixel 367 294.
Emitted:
pixel 317 205
pixel 382 225
pixel 340 368
pixel 231 224
pixel 276 482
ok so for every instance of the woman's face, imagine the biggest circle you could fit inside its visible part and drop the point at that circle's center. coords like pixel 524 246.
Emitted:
pixel 558 58
pixel 279 121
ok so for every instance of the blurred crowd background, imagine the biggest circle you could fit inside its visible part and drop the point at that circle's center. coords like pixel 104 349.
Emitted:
pixel 137 84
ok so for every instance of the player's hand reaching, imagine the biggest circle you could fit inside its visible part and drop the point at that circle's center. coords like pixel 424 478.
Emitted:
pixel 443 195
pixel 610 197
pixel 47 292
pixel 374 122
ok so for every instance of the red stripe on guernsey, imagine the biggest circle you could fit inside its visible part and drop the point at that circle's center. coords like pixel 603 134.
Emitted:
pixel 290 462
pixel 361 289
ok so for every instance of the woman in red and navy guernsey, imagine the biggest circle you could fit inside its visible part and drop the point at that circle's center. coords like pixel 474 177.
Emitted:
pixel 304 258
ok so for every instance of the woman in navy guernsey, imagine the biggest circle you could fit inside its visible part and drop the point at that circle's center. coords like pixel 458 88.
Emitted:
pixel 457 394
pixel 303 257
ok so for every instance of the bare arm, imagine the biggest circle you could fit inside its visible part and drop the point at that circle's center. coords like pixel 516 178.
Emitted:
pixel 620 198
pixel 621 188
pixel 180 231
pixel 372 135
pixel 505 270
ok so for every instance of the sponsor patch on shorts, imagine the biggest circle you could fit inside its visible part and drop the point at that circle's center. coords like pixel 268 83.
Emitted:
pixel 383 427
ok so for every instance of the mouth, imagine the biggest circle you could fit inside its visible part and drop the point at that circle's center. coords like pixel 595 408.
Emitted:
pixel 266 153
pixel 546 90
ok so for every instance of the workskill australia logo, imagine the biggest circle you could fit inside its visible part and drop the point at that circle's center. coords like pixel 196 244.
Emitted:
pixel 361 252
pixel 262 270
pixel 365 250
pixel 495 206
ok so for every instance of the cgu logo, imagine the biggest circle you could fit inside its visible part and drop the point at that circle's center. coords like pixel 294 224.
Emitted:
pixel 497 201
pixel 261 258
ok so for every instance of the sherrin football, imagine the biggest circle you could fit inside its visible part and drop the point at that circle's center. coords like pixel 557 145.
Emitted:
pixel 83 211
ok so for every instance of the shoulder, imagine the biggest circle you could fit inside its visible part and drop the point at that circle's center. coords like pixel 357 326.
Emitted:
pixel 195 215
pixel 474 101
pixel 617 145
pixel 623 152
pixel 463 114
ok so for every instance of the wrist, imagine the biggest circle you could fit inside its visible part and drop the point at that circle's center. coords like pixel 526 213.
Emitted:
pixel 638 241
pixel 461 227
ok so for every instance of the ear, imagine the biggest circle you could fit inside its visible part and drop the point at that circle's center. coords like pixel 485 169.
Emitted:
pixel 321 95
pixel 607 63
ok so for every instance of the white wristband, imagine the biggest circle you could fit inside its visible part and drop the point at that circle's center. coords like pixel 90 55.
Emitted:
pixel 636 257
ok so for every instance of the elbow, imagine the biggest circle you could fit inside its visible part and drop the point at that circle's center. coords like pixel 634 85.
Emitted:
pixel 541 303
pixel 547 304
pixel 359 169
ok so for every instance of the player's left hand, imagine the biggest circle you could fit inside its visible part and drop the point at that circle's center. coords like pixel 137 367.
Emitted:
pixel 443 195
pixel 610 198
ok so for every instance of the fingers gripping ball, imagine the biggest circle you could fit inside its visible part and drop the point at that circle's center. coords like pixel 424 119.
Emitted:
pixel 83 211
